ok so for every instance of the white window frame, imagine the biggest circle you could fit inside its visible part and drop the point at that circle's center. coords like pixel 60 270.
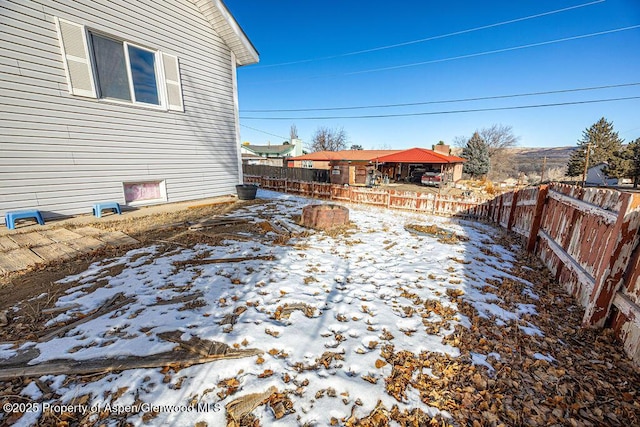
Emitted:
pixel 165 103
pixel 158 69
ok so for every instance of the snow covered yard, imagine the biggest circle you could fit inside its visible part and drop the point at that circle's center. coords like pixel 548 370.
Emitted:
pixel 377 322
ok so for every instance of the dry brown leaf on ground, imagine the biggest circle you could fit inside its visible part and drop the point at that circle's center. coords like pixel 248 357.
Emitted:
pixel 244 405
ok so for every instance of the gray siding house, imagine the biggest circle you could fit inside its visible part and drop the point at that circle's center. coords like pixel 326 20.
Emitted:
pixel 117 100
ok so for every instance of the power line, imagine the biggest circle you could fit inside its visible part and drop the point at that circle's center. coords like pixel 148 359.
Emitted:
pixel 491 52
pixel 409 104
pixel 265 132
pixel 454 58
pixel 433 113
pixel 441 36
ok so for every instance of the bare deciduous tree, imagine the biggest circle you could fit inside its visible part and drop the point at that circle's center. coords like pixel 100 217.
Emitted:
pixel 460 141
pixel 326 139
pixel 498 138
pixel 293 132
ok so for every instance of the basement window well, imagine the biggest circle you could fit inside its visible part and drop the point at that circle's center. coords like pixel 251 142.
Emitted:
pixel 144 193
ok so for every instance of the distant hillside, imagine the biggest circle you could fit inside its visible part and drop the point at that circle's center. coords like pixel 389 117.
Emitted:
pixel 531 160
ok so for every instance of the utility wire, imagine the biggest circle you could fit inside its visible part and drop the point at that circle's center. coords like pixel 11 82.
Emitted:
pixel 433 113
pixel 409 104
pixel 262 131
pixel 453 58
pixel 491 52
pixel 441 36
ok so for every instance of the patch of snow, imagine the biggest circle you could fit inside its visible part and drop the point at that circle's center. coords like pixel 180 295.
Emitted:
pixel 7 351
pixel 481 360
pixel 527 309
pixel 547 357
pixel 531 330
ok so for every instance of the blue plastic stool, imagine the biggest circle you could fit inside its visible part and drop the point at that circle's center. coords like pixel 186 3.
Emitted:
pixel 99 207
pixel 10 217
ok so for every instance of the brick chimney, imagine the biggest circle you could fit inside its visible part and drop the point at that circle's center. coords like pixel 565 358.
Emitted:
pixel 442 149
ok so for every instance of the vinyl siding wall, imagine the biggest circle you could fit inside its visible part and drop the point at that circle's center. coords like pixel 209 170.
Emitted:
pixel 61 153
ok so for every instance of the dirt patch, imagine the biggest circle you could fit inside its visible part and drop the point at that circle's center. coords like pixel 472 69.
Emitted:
pixel 170 229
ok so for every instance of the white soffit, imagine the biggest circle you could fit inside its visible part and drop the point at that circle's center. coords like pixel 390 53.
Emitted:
pixel 226 26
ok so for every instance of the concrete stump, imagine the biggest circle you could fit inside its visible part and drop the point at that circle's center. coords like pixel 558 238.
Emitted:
pixel 324 217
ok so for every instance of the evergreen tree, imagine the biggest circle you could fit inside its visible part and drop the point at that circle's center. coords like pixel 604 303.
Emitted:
pixel 633 150
pixel 621 164
pixel 603 142
pixel 476 153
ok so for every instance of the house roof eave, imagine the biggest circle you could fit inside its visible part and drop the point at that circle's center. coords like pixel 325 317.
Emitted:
pixel 221 20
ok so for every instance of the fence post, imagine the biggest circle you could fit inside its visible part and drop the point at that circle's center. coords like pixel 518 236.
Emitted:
pixel 512 211
pixel 500 207
pixel 537 217
pixel 611 275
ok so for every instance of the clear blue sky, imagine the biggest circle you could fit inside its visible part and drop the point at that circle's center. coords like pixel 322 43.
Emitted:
pixel 307 60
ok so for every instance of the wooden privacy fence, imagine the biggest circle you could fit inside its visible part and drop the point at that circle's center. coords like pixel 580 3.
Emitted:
pixel 292 174
pixel 587 237
pixel 407 200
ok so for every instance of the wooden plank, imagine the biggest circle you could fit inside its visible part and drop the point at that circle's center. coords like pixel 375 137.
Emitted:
pixel 206 205
pixel 537 217
pixel 512 211
pixel 111 305
pixel 17 259
pixel 30 239
pixel 7 244
pixel 619 254
pixel 89 231
pixel 70 367
pixel 586 280
pixel 85 244
pixel 60 235
pixel 628 308
pixel 117 238
pixel 221 260
pixel 609 217
pixel 55 251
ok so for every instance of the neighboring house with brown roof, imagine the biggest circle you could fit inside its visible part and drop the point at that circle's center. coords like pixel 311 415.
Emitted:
pixel 322 159
pixel 118 100
pixel 354 167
